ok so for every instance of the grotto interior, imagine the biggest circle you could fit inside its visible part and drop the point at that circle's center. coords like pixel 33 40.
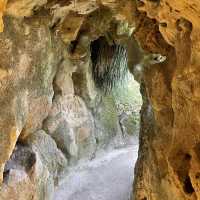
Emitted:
pixel 60 64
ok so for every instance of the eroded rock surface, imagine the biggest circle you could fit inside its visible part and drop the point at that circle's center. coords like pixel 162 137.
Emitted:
pixel 2 9
pixel 47 95
pixel 28 65
pixel 168 163
pixel 45 83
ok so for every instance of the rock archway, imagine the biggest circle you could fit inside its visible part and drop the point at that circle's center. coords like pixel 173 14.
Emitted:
pixel 41 39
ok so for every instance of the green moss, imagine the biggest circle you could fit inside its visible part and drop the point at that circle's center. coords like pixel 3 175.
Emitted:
pixel 108 114
pixel 128 95
pixel 132 124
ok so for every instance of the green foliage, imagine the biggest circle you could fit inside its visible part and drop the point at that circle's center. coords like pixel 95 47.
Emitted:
pixel 108 114
pixel 132 124
pixel 128 92
pixel 128 100
pixel 111 76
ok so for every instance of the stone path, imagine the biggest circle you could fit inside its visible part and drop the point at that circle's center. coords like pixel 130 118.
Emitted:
pixel 106 178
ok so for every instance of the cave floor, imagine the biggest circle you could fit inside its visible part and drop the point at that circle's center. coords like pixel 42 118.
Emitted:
pixel 108 177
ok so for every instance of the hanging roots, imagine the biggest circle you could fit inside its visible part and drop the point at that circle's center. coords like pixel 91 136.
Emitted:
pixel 109 64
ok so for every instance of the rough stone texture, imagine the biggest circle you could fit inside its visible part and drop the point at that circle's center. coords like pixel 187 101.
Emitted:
pixel 107 122
pixel 49 154
pixel 33 169
pixel 30 53
pixel 2 9
pixel 45 83
pixel 168 164
pixel 23 8
pixel 70 124
pixel 43 86
pixel 26 176
pixel 19 186
pixel 28 64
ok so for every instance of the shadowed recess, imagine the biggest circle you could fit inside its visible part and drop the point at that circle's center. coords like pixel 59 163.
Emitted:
pixel 109 64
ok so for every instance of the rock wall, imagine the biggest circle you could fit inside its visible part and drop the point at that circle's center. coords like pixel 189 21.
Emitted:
pixel 50 111
pixel 48 100
pixel 168 163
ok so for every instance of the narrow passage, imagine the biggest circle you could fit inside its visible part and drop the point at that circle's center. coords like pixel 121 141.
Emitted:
pixel 108 177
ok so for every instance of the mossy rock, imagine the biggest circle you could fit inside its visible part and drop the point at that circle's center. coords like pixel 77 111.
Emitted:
pixel 132 125
pixel 108 114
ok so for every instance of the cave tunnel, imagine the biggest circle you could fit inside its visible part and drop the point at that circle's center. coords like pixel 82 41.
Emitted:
pixel 87 87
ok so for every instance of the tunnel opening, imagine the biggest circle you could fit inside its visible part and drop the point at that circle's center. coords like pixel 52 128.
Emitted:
pixel 77 127
pixel 80 128
pixel 109 64
pixel 116 113
pixel 49 102
pixel 113 80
